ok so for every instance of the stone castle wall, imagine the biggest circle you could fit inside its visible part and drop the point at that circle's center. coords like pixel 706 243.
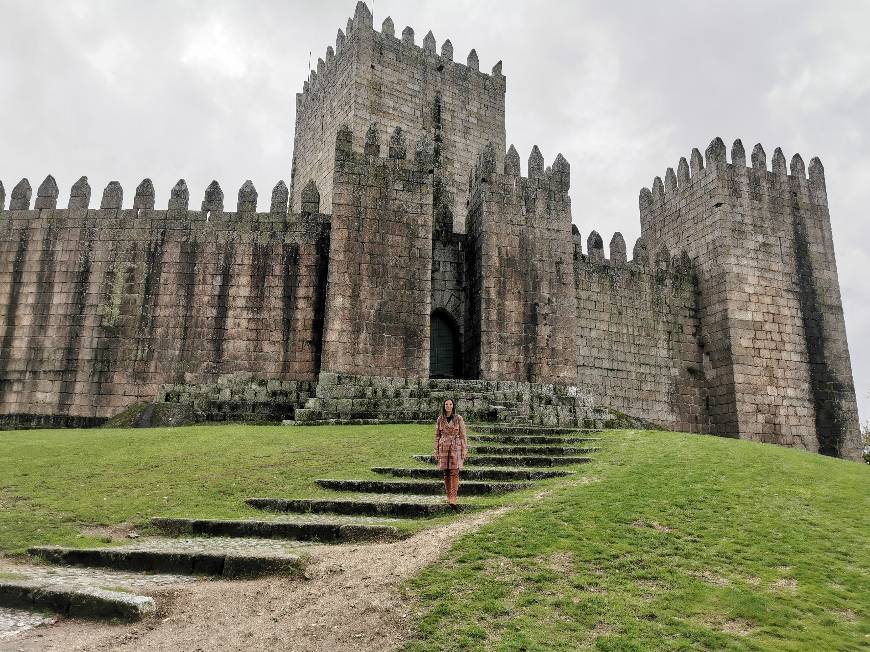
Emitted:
pixel 638 330
pixel 772 317
pixel 100 307
pixel 375 77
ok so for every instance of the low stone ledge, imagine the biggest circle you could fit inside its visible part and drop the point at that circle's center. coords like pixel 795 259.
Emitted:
pixel 92 603
pixel 323 532
pixel 515 460
pixel 531 439
pixel 530 450
pixel 424 487
pixel 507 429
pixel 412 507
pixel 179 562
pixel 497 474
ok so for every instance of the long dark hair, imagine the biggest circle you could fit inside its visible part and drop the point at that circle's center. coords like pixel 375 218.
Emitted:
pixel 444 412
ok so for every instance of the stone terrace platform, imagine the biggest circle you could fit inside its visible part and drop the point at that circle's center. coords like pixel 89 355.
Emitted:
pixel 340 398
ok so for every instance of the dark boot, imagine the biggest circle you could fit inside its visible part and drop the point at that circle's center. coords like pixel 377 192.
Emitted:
pixel 454 488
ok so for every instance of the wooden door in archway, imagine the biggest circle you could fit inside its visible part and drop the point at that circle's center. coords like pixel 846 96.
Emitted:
pixel 444 352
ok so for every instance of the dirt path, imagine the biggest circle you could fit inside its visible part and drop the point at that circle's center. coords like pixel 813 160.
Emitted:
pixel 350 601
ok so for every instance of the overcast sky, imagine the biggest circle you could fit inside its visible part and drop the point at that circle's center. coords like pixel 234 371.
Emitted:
pixel 124 89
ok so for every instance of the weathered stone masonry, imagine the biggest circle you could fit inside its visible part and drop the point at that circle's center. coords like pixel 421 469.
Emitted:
pixel 523 299
pixel 378 308
pixel 411 260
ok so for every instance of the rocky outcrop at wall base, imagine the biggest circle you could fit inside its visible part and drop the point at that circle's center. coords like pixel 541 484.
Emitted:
pixel 232 399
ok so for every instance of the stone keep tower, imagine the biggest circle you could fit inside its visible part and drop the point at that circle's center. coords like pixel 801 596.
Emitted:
pixel 378 78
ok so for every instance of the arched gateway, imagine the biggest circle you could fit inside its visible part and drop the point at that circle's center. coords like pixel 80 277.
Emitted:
pixel 445 359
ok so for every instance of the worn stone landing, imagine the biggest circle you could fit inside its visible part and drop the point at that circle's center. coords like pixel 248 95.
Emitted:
pixel 515 460
pixel 530 450
pixel 499 474
pixel 228 558
pixel 419 486
pixel 336 529
pixel 548 440
pixel 93 593
pixel 397 506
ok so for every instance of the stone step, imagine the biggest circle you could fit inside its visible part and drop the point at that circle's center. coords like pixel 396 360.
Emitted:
pixel 430 487
pixel 501 474
pixel 533 461
pixel 520 429
pixel 361 505
pixel 74 602
pixel 228 558
pixel 531 439
pixel 530 450
pixel 324 531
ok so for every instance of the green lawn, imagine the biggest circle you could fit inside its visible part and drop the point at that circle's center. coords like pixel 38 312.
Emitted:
pixel 669 541
pixel 53 482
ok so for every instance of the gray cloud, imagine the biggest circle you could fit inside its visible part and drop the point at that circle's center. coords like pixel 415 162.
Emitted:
pixel 122 90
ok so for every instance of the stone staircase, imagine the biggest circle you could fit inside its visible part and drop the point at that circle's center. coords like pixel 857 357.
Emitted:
pixel 115 582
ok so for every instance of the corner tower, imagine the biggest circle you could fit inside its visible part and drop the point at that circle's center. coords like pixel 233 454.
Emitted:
pixel 776 360
pixel 377 78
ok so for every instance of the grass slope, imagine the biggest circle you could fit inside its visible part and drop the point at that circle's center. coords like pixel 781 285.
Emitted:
pixel 53 482
pixel 672 542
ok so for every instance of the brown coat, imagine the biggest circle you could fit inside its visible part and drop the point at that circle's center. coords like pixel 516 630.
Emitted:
pixel 451 444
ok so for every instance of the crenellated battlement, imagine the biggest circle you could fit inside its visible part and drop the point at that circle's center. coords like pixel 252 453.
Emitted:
pixel 143 198
pixel 380 256
pixel 694 172
pixel 521 257
pixel 637 328
pixel 372 151
pixel 679 264
pixel 127 297
pixel 551 182
pixel 209 222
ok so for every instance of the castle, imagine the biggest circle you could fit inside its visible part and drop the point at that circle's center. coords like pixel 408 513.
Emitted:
pixel 411 259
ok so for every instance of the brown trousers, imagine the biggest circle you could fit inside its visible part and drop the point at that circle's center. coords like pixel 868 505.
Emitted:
pixel 451 484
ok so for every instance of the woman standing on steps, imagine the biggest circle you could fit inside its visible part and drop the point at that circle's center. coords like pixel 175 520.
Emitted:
pixel 451 448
